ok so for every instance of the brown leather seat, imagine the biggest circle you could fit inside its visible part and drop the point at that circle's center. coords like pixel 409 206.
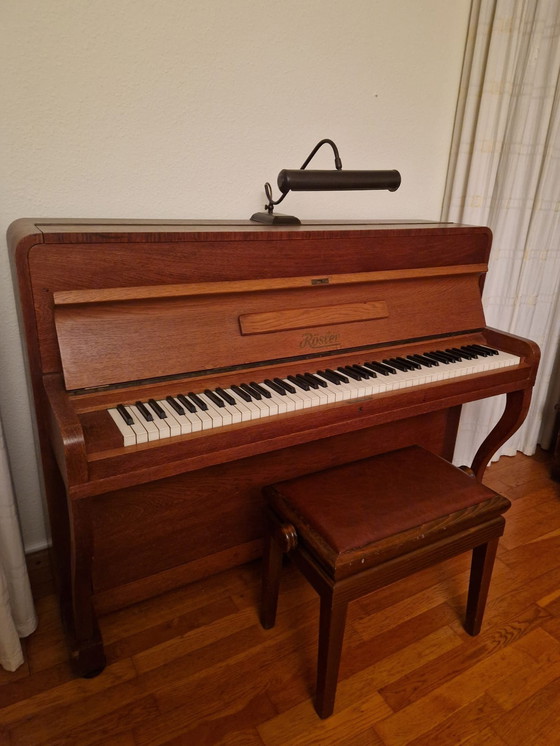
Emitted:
pixel 363 525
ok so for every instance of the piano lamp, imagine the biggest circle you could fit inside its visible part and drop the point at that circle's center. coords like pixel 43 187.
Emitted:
pixel 300 180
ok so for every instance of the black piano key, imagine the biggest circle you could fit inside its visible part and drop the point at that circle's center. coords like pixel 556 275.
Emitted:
pixel 385 370
pixel 242 394
pixel 175 404
pixel 263 392
pixel 157 409
pixel 400 365
pixel 285 385
pixel 275 387
pixel 446 356
pixel 453 355
pixel 461 353
pixel 472 352
pixel 346 371
pixel 488 350
pixel 300 384
pixel 364 371
pixel 412 365
pixel 187 403
pixel 356 369
pixel 423 361
pixel 253 393
pixel 337 374
pixel 329 376
pixel 214 398
pixel 198 401
pixel 479 350
pixel 395 363
pixel 124 414
pixel 436 357
pixel 228 398
pixel 144 411
pixel 319 381
pixel 312 384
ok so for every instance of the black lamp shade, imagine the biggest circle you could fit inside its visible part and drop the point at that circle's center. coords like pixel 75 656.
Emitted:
pixel 298 180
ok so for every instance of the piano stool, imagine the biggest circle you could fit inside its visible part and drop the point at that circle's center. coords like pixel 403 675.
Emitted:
pixel 361 526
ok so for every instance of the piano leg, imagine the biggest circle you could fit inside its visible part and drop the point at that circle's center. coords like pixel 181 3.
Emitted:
pixel 86 644
pixel 517 405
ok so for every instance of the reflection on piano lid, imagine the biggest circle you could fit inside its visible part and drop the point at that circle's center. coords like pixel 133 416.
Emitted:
pixel 182 413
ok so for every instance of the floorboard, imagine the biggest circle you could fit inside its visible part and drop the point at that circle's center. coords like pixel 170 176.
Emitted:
pixel 195 667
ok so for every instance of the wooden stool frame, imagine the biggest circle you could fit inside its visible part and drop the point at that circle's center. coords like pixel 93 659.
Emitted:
pixel 335 595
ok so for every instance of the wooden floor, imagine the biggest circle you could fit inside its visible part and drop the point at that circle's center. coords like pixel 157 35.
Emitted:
pixel 194 666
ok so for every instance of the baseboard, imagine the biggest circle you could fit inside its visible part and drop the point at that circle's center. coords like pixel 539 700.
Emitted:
pixel 40 573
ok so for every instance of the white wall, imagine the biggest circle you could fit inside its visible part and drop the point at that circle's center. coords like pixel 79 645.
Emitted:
pixel 184 108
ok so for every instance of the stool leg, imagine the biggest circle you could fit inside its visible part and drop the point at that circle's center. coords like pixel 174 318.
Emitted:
pixel 482 565
pixel 272 566
pixel 331 634
pixel 280 538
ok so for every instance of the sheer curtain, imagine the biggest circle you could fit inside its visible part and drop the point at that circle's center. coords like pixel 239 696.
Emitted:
pixel 505 173
pixel 17 615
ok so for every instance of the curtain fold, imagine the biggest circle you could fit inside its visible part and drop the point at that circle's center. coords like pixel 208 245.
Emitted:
pixel 17 614
pixel 504 172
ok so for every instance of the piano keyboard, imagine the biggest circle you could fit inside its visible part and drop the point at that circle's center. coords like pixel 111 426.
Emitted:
pixel 191 412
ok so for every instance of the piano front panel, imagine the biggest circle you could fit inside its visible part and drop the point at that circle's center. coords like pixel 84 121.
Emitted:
pixel 150 538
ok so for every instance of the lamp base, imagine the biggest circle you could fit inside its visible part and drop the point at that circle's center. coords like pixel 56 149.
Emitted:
pixel 275 218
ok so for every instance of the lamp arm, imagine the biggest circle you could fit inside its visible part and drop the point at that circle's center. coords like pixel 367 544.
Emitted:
pixel 337 161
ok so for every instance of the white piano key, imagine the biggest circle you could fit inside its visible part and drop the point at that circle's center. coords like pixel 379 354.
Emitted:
pixel 139 430
pixel 149 426
pixel 249 409
pixel 338 392
pixel 320 396
pixel 219 415
pixel 282 402
pixel 328 394
pixel 305 396
pixel 246 412
pixel 162 426
pixel 297 401
pixel 261 407
pixel 184 424
pixel 129 436
pixel 271 408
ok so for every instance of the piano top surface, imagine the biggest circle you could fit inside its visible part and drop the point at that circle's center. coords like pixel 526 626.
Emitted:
pixel 58 229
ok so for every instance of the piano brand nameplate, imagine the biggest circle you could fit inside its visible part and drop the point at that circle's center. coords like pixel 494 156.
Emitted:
pixel 303 318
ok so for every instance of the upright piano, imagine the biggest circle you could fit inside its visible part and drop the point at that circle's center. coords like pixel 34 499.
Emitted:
pixel 177 367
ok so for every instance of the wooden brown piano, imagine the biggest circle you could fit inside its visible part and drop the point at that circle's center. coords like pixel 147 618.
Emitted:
pixel 120 312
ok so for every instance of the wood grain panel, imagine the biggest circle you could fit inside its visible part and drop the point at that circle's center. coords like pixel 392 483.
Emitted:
pixel 114 342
